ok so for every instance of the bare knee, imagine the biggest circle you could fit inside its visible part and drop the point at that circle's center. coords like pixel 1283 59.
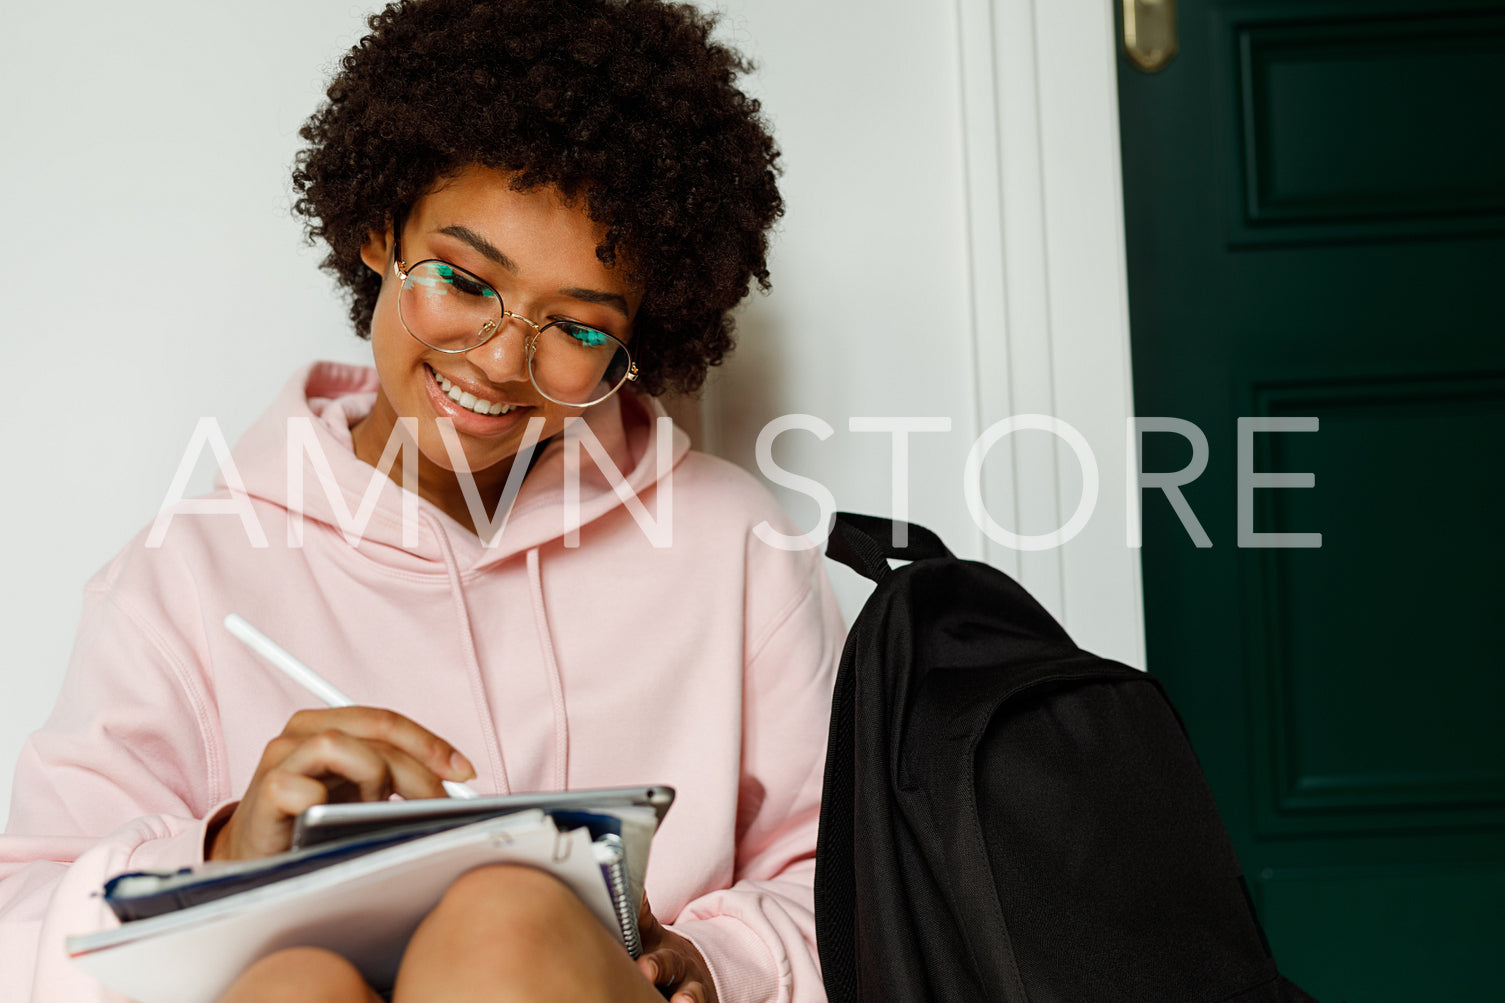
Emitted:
pixel 521 934
pixel 510 882
pixel 303 974
pixel 510 904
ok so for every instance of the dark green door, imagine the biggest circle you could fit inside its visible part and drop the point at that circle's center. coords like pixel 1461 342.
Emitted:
pixel 1315 208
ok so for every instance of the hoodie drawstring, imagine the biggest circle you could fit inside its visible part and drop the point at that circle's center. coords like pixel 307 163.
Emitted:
pixel 556 682
pixel 468 644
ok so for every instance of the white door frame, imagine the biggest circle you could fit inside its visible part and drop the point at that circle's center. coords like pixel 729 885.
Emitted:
pixel 1050 297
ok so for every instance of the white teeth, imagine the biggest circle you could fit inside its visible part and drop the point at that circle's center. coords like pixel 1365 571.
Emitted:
pixel 470 401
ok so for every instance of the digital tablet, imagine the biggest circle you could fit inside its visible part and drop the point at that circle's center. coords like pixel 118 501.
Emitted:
pixel 325 822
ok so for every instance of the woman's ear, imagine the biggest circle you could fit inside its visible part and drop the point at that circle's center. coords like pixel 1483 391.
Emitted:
pixel 376 252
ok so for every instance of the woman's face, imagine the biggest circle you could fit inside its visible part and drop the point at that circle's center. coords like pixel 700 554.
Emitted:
pixel 539 253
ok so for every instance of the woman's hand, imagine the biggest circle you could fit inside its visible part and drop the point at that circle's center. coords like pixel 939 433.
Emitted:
pixel 672 963
pixel 335 754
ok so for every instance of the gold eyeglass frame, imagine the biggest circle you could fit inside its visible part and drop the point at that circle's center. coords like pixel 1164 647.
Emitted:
pixel 491 327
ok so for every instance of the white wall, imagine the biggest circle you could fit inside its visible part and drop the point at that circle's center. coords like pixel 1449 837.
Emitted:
pixel 953 250
pixel 147 148
pixel 151 272
pixel 870 313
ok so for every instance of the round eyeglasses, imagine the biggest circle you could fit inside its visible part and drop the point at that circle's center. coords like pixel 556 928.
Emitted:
pixel 452 311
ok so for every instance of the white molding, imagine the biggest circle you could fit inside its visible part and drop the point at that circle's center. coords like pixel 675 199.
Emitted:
pixel 1049 295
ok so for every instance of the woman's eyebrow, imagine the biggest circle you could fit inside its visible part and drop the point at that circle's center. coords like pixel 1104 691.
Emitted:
pixel 489 250
pixel 481 244
pixel 616 301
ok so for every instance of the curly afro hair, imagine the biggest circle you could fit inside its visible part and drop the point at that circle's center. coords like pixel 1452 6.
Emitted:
pixel 625 104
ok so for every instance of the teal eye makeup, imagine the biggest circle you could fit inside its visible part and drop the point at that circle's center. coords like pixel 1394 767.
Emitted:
pixel 462 281
pixel 587 337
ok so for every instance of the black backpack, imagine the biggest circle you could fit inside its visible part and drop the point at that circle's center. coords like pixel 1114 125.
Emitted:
pixel 1009 818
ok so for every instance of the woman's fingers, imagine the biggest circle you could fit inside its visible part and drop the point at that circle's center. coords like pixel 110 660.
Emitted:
pixel 329 766
pixel 673 964
pixel 374 769
pixel 410 777
pixel 670 962
pixel 287 794
pixel 263 825
pixel 380 725
pixel 335 754
pixel 665 967
pixel 649 929
pixel 336 758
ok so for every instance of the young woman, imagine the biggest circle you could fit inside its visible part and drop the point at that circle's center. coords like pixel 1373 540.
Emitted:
pixel 543 214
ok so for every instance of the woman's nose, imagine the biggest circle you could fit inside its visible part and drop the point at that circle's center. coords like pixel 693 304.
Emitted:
pixel 504 356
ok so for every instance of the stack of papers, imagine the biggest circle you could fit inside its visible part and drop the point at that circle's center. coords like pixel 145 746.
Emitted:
pixel 189 934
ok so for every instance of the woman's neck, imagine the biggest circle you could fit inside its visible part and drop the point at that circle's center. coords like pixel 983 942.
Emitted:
pixel 440 487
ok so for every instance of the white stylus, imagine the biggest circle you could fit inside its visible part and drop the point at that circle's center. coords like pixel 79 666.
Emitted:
pixel 309 679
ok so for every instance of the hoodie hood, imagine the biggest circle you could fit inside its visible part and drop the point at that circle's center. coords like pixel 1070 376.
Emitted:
pixel 310 470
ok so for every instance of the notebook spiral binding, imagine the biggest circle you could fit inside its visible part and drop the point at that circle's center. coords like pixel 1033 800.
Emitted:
pixel 621 898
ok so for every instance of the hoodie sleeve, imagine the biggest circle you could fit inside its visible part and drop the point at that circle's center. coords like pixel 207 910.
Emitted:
pixel 121 777
pixel 758 936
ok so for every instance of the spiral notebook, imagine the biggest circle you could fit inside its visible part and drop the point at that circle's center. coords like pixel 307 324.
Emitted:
pixel 188 934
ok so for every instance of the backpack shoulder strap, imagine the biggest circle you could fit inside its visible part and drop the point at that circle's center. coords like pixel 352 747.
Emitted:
pixel 864 543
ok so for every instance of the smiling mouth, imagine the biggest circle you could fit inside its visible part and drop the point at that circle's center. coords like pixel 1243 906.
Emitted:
pixel 470 401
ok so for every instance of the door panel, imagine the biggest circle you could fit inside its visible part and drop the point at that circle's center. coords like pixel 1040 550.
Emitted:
pixel 1457 960
pixel 1359 126
pixel 1315 217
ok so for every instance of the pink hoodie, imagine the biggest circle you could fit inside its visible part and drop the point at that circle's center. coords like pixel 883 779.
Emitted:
pixel 706 665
